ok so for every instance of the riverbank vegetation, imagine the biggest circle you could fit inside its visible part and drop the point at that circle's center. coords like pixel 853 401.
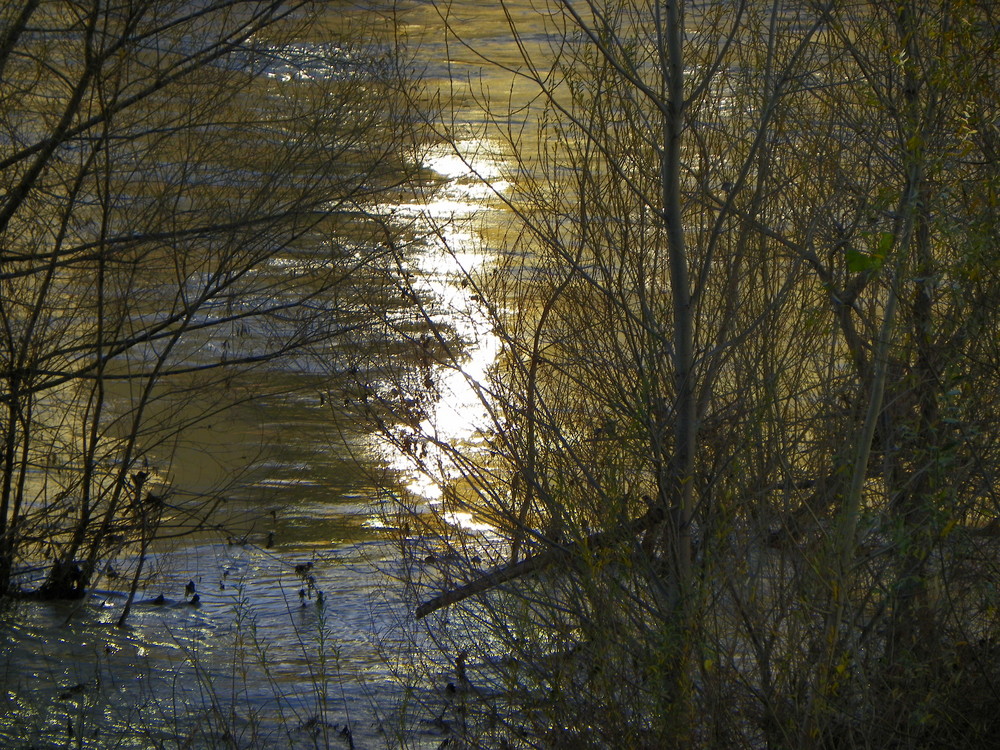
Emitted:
pixel 741 462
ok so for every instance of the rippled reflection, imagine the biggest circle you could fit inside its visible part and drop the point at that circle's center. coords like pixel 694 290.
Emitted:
pixel 258 655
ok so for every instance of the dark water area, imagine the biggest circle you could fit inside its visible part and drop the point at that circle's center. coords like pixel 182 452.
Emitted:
pixel 248 660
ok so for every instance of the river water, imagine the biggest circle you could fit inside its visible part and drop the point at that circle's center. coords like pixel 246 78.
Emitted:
pixel 301 635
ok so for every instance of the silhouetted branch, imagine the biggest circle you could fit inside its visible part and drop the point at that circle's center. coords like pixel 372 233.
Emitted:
pixel 500 575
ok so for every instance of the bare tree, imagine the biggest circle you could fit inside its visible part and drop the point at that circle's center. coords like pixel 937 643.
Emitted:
pixel 742 450
pixel 176 174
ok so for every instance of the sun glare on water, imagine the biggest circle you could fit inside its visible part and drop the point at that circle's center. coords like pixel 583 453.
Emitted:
pixel 443 276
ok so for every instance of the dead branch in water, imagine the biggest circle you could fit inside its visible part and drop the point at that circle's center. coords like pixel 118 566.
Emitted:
pixel 501 574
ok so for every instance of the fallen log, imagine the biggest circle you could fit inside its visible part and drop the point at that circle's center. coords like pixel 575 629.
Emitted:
pixel 566 552
pixel 792 527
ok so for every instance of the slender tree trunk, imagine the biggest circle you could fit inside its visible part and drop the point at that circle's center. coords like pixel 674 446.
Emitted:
pixel 911 629
pixel 679 484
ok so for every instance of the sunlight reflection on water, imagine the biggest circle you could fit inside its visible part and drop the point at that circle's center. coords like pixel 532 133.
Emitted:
pixel 444 275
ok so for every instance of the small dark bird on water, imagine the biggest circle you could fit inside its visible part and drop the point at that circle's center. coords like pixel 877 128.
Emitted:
pixel 189 589
pixel 302 569
pixel 80 687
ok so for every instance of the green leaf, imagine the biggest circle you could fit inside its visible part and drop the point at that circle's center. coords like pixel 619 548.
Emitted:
pixel 884 245
pixel 859 262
